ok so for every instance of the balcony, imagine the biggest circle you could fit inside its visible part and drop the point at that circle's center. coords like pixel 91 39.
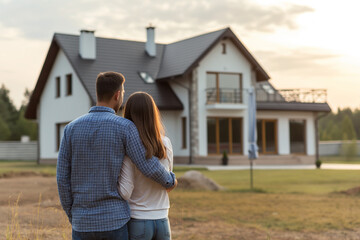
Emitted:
pixel 223 95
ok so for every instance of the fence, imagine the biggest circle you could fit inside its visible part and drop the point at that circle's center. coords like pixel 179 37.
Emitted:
pixel 28 150
pixel 333 148
pixel 18 151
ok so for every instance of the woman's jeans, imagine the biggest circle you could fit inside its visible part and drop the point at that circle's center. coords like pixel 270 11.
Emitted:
pixel 143 229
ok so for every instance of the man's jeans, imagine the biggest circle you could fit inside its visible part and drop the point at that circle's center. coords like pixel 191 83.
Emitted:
pixel 141 229
pixel 118 234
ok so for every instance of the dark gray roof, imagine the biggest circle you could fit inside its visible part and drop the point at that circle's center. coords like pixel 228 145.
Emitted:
pixel 293 106
pixel 179 56
pixel 127 57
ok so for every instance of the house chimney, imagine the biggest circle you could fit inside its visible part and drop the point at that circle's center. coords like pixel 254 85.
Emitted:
pixel 150 46
pixel 87 45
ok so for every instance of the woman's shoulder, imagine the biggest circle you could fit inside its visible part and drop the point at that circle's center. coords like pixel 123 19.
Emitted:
pixel 167 142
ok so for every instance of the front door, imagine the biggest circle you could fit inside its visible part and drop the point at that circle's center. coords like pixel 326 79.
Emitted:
pixel 224 135
pixel 267 136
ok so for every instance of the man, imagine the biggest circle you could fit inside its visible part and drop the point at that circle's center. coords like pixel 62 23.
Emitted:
pixel 89 162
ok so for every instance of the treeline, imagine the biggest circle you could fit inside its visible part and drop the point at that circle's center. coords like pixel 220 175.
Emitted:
pixel 13 124
pixel 343 125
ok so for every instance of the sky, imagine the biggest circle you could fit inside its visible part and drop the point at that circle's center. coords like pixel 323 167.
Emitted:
pixel 300 43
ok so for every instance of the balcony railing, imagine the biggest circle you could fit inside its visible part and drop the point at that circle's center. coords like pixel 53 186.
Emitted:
pixel 230 95
pixel 291 95
pixel 223 95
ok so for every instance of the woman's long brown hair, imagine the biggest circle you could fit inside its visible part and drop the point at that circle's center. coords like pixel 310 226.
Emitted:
pixel 141 109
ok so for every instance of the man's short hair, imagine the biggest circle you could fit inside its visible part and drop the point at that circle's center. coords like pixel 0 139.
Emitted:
pixel 107 84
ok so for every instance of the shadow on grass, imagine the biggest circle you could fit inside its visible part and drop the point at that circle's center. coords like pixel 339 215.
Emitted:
pixel 248 190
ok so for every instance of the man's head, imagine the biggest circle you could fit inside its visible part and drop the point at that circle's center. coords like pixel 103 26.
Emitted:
pixel 110 89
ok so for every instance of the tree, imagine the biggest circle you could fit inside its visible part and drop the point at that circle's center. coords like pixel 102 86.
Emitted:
pixel 12 121
pixel 347 128
pixel 4 130
pixel 349 149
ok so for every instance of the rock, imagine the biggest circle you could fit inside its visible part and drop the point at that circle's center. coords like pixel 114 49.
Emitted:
pixel 352 191
pixel 195 180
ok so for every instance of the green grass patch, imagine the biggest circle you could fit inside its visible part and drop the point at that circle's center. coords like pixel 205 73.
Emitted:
pixel 285 181
pixel 7 166
pixel 340 159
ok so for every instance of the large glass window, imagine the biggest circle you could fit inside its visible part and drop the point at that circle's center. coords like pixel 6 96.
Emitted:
pixel 224 134
pixel 297 136
pixel 236 135
pixel 211 132
pixel 224 87
pixel 267 136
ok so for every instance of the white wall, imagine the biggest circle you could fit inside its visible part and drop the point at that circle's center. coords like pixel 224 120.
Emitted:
pixel 283 129
pixel 172 119
pixel 233 62
pixel 52 110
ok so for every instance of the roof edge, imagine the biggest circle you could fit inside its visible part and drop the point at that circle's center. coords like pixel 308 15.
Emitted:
pixel 31 109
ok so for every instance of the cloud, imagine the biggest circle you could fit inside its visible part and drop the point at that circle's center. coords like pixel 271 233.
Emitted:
pixel 40 19
pixel 301 62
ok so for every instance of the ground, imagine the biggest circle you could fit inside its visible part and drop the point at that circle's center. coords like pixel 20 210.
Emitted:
pixel 294 204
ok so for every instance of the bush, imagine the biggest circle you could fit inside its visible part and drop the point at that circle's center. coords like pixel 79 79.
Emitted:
pixel 225 159
pixel 318 163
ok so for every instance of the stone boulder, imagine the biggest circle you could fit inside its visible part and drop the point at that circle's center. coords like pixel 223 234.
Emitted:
pixel 195 180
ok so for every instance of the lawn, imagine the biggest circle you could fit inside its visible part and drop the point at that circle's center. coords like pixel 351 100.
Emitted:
pixel 287 204
pixel 10 166
pixel 340 159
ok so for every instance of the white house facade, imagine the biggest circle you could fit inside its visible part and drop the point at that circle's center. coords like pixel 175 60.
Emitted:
pixel 63 100
pixel 201 87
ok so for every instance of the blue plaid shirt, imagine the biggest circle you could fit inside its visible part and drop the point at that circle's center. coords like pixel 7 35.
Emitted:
pixel 89 162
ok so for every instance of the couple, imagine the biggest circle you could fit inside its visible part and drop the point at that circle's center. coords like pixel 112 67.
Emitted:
pixel 113 173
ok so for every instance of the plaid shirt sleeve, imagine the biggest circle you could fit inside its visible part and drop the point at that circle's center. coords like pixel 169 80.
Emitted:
pixel 63 175
pixel 152 167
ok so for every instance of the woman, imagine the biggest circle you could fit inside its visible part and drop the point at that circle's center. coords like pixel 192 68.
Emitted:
pixel 149 201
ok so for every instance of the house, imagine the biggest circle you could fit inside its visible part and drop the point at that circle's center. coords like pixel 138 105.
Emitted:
pixel 200 85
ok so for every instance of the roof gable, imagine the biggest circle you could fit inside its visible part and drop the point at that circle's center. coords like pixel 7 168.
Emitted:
pixel 181 57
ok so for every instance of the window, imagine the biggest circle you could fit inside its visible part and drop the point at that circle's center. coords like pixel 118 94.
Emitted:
pixel 57 86
pixel 59 134
pixel 224 134
pixel 68 84
pixel 183 128
pixel 223 45
pixel 267 136
pixel 224 87
pixel 146 77
pixel 297 136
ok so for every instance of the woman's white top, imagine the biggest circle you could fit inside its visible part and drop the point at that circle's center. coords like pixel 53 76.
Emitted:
pixel 147 199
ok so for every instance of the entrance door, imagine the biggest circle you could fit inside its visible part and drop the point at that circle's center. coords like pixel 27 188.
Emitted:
pixel 224 135
pixel 267 136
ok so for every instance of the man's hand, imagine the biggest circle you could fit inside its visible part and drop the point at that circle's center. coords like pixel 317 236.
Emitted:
pixel 173 187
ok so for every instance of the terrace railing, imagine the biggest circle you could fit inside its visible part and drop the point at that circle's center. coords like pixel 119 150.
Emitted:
pixel 291 95
pixel 231 95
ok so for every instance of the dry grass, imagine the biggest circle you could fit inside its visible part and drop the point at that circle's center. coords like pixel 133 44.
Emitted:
pixel 289 205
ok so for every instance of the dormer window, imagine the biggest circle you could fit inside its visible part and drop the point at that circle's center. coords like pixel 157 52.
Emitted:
pixel 223 45
pixel 146 77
